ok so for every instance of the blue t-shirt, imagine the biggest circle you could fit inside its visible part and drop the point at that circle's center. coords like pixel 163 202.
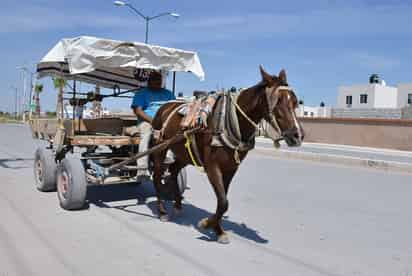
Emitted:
pixel 151 100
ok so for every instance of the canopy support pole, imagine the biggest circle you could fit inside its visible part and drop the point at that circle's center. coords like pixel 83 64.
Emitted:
pixel 174 83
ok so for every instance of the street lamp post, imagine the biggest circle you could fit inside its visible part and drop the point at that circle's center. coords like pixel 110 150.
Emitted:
pixel 146 18
pixel 15 100
pixel 28 101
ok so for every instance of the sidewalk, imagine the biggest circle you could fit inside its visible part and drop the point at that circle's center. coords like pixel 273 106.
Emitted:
pixel 383 159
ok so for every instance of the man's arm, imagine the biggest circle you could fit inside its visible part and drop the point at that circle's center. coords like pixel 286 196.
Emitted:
pixel 142 115
pixel 139 103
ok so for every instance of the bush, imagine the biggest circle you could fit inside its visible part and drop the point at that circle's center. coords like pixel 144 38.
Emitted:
pixel 51 114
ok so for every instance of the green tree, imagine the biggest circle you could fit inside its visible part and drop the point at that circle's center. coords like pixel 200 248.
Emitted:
pixel 59 84
pixel 38 88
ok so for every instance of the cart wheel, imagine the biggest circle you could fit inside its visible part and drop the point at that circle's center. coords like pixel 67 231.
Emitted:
pixel 182 181
pixel 71 184
pixel 45 170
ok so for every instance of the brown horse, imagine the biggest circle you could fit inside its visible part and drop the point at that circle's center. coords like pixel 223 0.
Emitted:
pixel 271 100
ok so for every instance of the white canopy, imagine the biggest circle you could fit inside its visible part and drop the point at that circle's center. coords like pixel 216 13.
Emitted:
pixel 112 63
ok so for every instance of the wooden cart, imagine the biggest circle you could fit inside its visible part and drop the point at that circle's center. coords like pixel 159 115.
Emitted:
pixel 81 152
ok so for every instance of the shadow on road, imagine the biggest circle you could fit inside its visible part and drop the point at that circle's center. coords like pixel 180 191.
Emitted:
pixel 101 196
pixel 15 163
pixel 192 215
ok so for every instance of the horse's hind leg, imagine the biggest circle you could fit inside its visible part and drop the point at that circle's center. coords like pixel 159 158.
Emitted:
pixel 217 180
pixel 174 169
pixel 157 180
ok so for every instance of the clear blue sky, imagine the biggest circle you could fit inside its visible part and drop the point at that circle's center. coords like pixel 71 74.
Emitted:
pixel 321 43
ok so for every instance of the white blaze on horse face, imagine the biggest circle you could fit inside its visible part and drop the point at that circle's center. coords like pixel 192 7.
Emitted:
pixel 295 120
pixel 297 125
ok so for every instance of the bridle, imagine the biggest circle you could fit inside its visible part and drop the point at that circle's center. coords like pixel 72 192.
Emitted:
pixel 272 98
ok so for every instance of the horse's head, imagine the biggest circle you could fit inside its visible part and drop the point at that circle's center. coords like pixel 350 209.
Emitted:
pixel 281 105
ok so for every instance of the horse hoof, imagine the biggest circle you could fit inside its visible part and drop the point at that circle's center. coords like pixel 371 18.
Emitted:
pixel 223 239
pixel 164 218
pixel 203 224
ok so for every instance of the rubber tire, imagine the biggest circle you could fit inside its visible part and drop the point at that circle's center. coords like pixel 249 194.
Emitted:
pixel 49 169
pixel 182 181
pixel 75 196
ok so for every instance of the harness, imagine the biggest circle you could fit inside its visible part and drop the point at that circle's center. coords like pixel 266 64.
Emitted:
pixel 188 135
pixel 272 97
pixel 226 130
pixel 233 140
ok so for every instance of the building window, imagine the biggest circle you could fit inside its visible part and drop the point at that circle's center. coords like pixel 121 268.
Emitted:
pixel 363 98
pixel 348 100
pixel 409 98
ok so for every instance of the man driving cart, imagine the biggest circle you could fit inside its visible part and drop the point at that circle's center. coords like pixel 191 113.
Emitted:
pixel 145 104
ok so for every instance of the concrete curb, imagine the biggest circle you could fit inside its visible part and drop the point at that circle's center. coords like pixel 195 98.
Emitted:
pixel 382 165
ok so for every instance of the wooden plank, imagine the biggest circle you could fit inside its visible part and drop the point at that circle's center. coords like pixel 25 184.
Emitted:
pixel 43 128
pixel 103 140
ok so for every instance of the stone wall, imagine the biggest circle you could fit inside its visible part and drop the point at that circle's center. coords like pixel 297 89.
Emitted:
pixel 407 113
pixel 378 133
pixel 383 113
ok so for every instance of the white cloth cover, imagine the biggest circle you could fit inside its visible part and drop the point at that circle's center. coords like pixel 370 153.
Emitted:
pixel 111 63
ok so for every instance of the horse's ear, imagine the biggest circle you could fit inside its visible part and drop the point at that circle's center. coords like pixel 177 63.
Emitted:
pixel 282 76
pixel 265 76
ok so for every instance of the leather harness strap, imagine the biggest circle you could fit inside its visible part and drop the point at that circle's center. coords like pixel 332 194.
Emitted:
pixel 169 117
pixel 191 141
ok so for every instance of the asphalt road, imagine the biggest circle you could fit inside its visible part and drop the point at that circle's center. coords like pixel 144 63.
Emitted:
pixel 286 217
pixel 345 151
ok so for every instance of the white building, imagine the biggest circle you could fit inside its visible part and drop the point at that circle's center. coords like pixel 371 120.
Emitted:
pixel 404 95
pixel 372 95
pixel 313 111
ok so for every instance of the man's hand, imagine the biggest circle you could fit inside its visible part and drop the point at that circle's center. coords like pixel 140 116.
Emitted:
pixel 142 115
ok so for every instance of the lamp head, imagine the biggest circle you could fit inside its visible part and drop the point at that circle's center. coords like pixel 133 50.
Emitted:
pixel 175 15
pixel 119 3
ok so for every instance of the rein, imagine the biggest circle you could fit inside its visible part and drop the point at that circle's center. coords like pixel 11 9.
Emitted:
pixel 272 117
pixel 256 126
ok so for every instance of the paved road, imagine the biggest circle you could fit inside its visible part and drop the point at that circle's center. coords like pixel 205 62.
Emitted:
pixel 286 218
pixel 345 151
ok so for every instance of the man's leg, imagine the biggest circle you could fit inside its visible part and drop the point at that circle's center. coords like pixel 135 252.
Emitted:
pixel 145 130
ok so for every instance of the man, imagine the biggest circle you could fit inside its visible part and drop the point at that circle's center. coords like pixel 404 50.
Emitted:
pixel 145 104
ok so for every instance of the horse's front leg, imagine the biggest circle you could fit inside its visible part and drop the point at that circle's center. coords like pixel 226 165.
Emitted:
pixel 217 179
pixel 157 180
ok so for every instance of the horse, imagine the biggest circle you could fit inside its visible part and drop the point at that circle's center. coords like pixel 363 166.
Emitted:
pixel 271 100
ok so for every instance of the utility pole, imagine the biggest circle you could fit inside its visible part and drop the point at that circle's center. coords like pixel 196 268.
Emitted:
pixel 15 100
pixel 23 107
pixel 26 100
